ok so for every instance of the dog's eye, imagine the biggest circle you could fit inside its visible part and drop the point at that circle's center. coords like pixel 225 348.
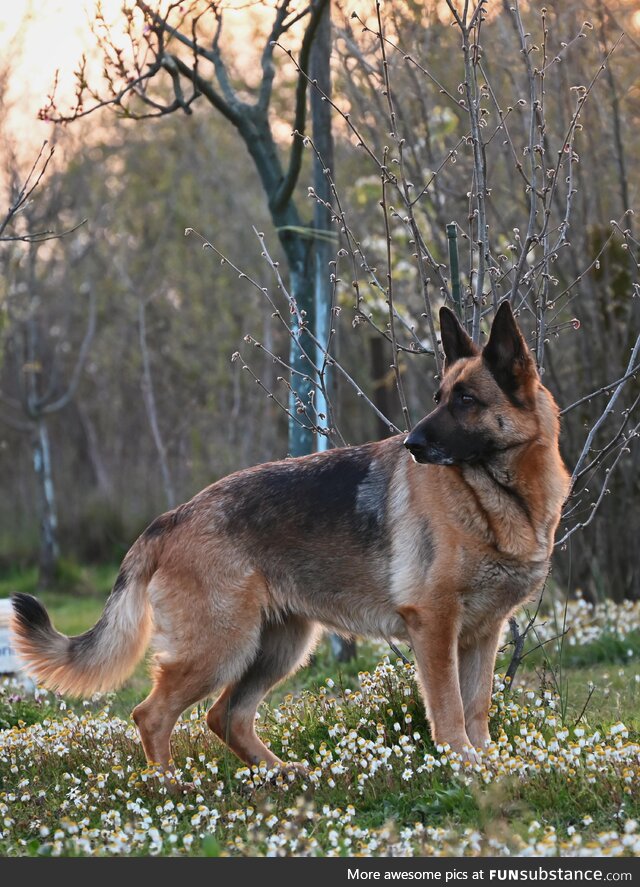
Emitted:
pixel 467 398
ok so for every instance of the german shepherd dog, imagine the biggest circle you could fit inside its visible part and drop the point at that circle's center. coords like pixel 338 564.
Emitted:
pixel 431 538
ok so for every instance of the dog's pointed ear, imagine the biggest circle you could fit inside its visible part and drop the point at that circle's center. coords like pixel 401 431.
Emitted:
pixel 507 355
pixel 456 343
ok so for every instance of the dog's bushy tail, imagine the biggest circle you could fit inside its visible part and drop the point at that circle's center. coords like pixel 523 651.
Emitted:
pixel 105 655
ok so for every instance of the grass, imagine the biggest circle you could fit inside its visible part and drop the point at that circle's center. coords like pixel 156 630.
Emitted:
pixel 377 784
pixel 561 777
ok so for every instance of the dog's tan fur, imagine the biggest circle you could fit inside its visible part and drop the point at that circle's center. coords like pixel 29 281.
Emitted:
pixel 436 550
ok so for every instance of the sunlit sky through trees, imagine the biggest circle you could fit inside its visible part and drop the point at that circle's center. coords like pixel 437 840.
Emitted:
pixel 37 40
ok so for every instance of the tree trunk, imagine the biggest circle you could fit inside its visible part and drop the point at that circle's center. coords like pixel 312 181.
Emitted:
pixel 323 252
pixel 149 398
pixel 301 437
pixel 296 244
pixel 49 549
pixel 94 454
pixel 320 64
pixel 382 379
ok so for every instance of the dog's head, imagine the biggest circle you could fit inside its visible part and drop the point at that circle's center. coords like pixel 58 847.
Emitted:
pixel 487 402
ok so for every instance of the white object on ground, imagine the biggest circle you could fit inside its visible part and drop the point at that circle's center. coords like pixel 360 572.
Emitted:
pixel 9 663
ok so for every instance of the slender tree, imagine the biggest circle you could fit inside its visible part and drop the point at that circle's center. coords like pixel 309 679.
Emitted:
pixel 39 391
pixel 323 164
pixel 178 49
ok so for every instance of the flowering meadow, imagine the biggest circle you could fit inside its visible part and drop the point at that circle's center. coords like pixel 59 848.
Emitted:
pixel 74 782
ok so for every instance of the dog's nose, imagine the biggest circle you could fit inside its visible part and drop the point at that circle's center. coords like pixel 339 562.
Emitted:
pixel 415 443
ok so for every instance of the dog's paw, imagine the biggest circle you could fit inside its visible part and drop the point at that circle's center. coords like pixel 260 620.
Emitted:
pixel 280 773
pixel 288 772
pixel 470 755
pixel 464 749
pixel 294 770
pixel 478 734
pixel 177 788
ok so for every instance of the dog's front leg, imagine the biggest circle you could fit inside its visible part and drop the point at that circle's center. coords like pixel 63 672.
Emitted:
pixel 477 657
pixel 433 633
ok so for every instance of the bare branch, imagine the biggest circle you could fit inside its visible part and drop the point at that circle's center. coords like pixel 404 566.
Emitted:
pixel 606 412
pixel 161 24
pixel 295 157
pixel 41 236
pixel 605 388
pixel 392 326
pixel 268 68
pixel 603 492
pixel 409 58
pixel 27 188
pixel 331 362
pixel 208 91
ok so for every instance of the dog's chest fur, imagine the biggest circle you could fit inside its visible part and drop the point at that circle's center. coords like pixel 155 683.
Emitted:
pixel 482 554
pixel 496 588
pixel 489 584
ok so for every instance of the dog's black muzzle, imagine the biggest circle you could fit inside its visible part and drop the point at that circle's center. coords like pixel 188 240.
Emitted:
pixel 424 450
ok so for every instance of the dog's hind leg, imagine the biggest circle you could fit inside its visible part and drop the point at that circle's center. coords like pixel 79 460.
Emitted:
pixel 283 648
pixel 176 687
pixel 476 665
pixel 205 639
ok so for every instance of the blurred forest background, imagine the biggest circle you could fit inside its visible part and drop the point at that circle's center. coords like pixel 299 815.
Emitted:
pixel 116 340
